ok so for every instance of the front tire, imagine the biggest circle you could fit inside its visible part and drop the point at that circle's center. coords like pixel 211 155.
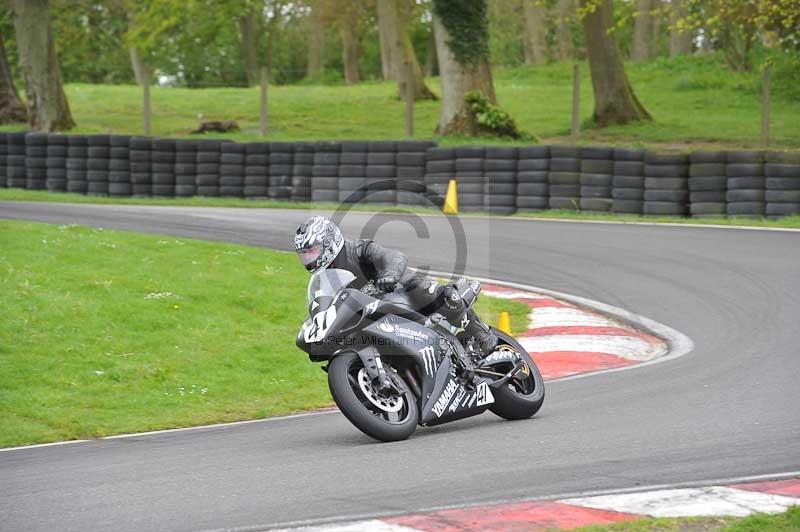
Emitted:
pixel 385 420
pixel 519 398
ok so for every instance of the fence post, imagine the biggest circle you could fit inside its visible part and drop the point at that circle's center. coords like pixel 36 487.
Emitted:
pixel 576 102
pixel 765 104
pixel 263 122
pixel 409 94
pixel 147 110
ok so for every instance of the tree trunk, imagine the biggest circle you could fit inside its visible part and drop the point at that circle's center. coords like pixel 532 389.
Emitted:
pixel 48 107
pixel 535 28
pixel 349 52
pixel 680 42
pixel 457 80
pixel 12 110
pixel 136 56
pixel 395 20
pixel 248 33
pixel 316 43
pixel 565 11
pixel 387 66
pixel 614 100
pixel 432 60
pixel 642 31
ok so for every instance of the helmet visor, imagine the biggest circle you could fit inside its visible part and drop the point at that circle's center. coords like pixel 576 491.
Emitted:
pixel 309 256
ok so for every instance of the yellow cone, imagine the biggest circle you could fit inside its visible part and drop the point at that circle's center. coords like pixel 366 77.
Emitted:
pixel 451 199
pixel 504 323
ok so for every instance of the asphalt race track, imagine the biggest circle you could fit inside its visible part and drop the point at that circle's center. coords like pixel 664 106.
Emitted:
pixel 730 408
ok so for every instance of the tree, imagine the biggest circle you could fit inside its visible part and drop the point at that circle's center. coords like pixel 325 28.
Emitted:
pixel 250 31
pixel 394 18
pixel 48 107
pixel 462 45
pixel 349 18
pixel 387 65
pixel 535 32
pixel 614 99
pixel 564 14
pixel 680 38
pixel 316 40
pixel 643 34
pixel 12 110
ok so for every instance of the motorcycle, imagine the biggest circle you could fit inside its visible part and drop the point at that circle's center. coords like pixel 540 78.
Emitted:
pixel 391 368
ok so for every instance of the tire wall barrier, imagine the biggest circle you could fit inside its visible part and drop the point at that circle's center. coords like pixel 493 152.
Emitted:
pixel 495 179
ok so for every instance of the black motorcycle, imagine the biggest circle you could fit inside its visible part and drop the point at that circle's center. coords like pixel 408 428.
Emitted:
pixel 391 368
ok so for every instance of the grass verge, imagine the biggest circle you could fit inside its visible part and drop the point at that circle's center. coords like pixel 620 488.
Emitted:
pixel 788 521
pixel 695 102
pixel 16 194
pixel 108 332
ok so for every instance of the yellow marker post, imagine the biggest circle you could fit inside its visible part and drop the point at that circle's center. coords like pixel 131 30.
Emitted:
pixel 504 323
pixel 451 199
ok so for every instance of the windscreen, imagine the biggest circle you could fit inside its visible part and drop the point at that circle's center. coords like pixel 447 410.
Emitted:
pixel 328 282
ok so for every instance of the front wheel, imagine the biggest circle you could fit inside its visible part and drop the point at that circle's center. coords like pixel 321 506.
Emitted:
pixel 523 395
pixel 385 418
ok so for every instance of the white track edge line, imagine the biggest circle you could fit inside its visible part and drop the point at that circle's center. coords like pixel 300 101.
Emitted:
pixel 180 429
pixel 513 500
pixel 679 344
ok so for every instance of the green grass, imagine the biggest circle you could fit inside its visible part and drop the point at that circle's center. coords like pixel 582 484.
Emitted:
pixel 788 521
pixel 696 102
pixel 106 332
pixel 16 194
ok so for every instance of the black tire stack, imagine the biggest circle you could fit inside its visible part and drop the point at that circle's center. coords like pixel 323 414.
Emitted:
pixel 564 178
pixel 746 194
pixel 256 170
pixel 381 173
pixel 628 183
pixel 469 177
pixel 783 183
pixel 162 164
pixel 3 155
pixel 280 171
pixel 185 168
pixel 302 168
pixel 597 175
pixel 36 161
pixel 411 172
pixel 666 184
pixel 15 161
pixel 231 170
pixel 352 171
pixel 77 164
pixel 440 168
pixel 56 163
pixel 532 187
pixel 500 180
pixel 707 184
pixel 139 158
pixel 99 153
pixel 208 163
pixel 119 166
pixel 325 172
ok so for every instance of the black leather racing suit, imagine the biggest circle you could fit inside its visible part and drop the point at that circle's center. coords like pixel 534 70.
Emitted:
pixel 370 261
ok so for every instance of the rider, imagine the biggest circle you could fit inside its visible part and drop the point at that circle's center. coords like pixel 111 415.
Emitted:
pixel 320 244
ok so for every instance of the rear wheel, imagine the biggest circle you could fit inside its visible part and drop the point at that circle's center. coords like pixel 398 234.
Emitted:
pixel 523 395
pixel 383 417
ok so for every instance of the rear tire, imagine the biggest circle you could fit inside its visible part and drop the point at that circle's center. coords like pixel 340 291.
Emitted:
pixel 366 416
pixel 510 401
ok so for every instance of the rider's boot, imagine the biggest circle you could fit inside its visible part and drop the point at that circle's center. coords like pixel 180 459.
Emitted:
pixel 456 312
pixel 480 331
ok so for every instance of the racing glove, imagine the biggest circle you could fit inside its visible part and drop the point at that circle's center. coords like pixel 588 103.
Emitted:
pixel 387 283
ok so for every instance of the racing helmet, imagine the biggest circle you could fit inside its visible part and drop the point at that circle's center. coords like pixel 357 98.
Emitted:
pixel 318 241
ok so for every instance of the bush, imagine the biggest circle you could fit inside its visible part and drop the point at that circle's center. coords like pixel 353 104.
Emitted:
pixel 491 119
